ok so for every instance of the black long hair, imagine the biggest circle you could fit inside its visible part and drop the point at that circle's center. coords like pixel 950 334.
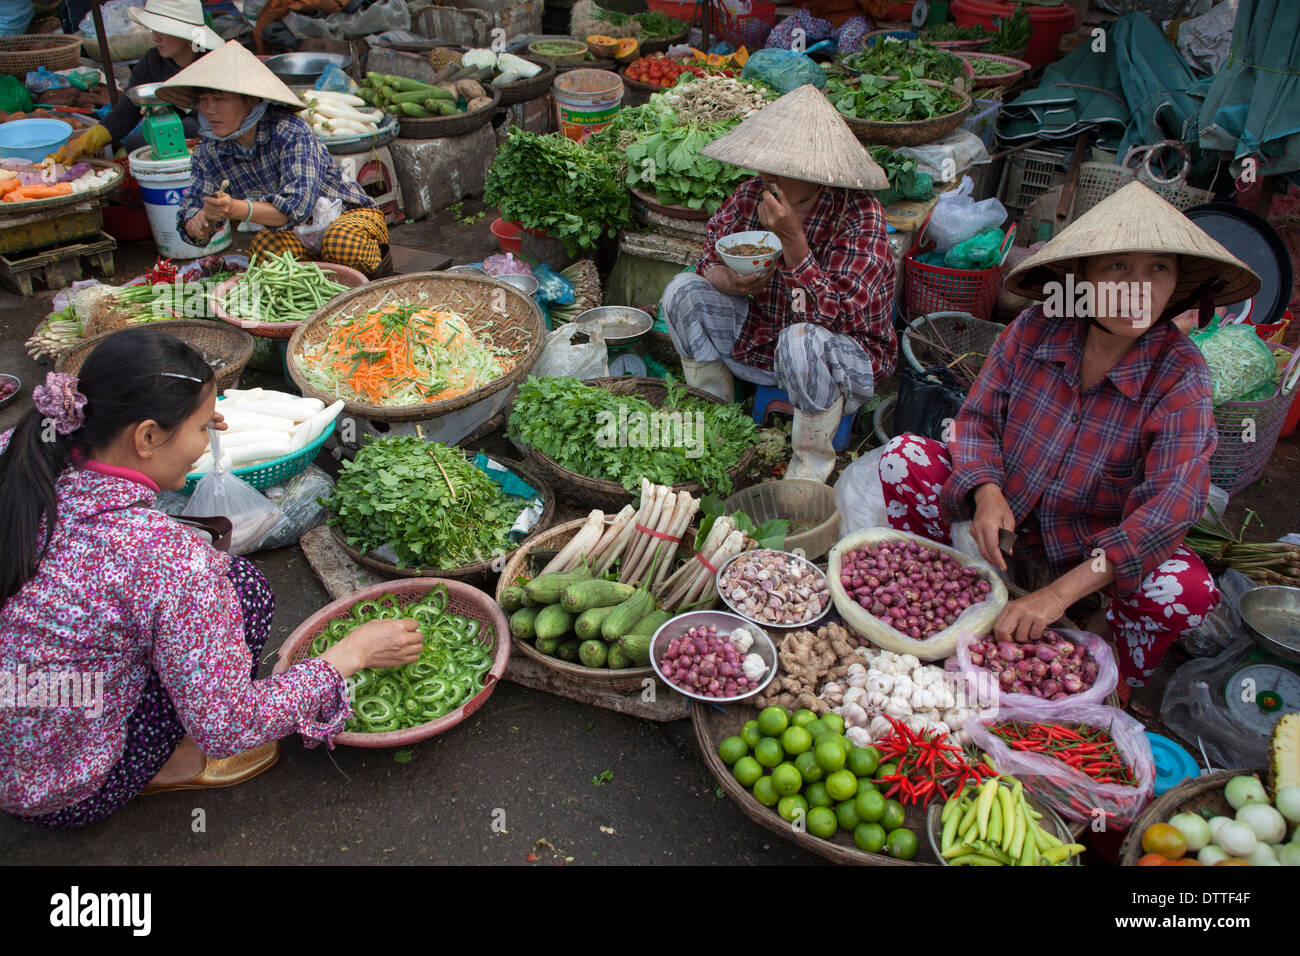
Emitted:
pixel 123 385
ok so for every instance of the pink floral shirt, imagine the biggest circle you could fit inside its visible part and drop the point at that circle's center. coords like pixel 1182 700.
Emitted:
pixel 122 589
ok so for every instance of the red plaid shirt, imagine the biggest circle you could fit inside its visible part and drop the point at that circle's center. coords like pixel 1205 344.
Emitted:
pixel 847 278
pixel 1123 467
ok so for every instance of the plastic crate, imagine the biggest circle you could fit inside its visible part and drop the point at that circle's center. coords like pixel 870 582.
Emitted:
pixel 1030 173
pixel 983 121
pixel 1097 181
pixel 750 29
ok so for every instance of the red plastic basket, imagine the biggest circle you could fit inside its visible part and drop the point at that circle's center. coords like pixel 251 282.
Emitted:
pixel 750 29
pixel 928 288
pixel 1248 433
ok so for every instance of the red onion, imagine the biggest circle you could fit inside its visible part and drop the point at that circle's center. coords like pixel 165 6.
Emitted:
pixel 1051 667
pixel 1055 668
pixel 976 659
pixel 1039 669
pixel 1050 688
pixel 1071 683
pixel 1025 669
pixel 1009 652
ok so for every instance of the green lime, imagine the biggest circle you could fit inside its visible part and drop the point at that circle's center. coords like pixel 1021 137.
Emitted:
pixel 901 844
pixel 863 761
pixel 732 749
pixel 765 793
pixel 769 752
pixel 893 816
pixel 870 806
pixel 792 807
pixel 773 721
pixel 806 764
pixel 817 795
pixel 865 785
pixel 822 822
pixel 869 837
pixel 747 771
pixel 796 740
pixel 750 734
pixel 842 785
pixel 830 755
pixel 815 728
pixel 786 779
pixel 834 723
pixel 803 717
pixel 847 815
pixel 887 770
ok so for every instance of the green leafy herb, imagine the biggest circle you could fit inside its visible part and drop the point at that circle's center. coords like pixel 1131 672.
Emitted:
pixel 906 181
pixel 652 23
pixel 881 100
pixel 769 534
pixel 948 32
pixel 669 163
pixel 1013 33
pixel 891 57
pixel 605 776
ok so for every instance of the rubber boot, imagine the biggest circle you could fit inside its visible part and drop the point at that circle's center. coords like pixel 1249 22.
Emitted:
pixel 814 458
pixel 712 377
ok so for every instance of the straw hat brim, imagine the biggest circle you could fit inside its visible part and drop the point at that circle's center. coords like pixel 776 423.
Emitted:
pixel 230 69
pixel 800 136
pixel 1136 219
pixel 200 34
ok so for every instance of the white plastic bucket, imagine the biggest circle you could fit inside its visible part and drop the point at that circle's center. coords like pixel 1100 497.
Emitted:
pixel 162 185
pixel 586 101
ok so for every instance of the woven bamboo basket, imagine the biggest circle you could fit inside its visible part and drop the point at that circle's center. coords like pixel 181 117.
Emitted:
pixel 483 301
pixel 801 502
pixel 961 46
pixel 21 55
pixel 458 124
pixel 521 91
pixel 277 330
pixel 988 81
pixel 1190 796
pixel 29 206
pixel 673 212
pixel 661 44
pixel 391 570
pixel 914 133
pixel 214 340
pixel 611 495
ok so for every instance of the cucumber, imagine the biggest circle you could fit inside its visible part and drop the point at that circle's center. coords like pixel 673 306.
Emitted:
pixel 403 84
pixel 546 588
pixel 441 107
pixel 637 648
pixel 586 595
pixel 523 623
pixel 553 621
pixel 593 653
pixel 416 110
pixel 568 651
pixel 419 96
pixel 651 623
pixel 588 623
pixel 547 645
pixel 620 622
pixel 512 598
pixel 617 659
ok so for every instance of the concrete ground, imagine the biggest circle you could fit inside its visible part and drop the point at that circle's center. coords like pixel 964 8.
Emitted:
pixel 518 783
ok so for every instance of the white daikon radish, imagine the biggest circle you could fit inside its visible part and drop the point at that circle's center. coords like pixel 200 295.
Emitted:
pixel 241 395
pixel 272 395
pixel 299 410
pixel 315 426
pixel 249 454
pixel 345 99
pixel 230 439
pixel 241 421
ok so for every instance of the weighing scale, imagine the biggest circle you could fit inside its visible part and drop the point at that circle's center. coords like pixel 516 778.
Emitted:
pixel 625 329
pixel 1267 685
pixel 161 126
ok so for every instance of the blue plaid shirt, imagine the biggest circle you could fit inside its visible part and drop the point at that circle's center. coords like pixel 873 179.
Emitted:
pixel 287 166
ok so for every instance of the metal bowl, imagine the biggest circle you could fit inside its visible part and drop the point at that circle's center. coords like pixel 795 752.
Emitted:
pixel 1051 821
pixel 525 284
pixel 466 270
pixel 17 384
pixel 717 583
pixel 725 623
pixel 305 67
pixel 1272 615
pixel 620 324
pixel 146 94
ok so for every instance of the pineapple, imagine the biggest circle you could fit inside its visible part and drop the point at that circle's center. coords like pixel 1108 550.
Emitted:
pixel 1284 753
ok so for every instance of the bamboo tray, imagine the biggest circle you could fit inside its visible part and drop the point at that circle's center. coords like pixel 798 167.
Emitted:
pixel 1190 796
pixel 29 206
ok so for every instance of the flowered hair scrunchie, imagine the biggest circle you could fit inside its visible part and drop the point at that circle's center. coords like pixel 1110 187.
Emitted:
pixel 60 402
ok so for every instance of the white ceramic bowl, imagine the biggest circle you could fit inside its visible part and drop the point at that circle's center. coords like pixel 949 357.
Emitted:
pixel 748 265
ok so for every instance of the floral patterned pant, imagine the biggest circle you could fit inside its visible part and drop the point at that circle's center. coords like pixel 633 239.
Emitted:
pixel 1172 599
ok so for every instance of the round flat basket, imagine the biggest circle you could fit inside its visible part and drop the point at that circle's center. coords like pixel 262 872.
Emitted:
pixel 714 724
pixel 521 91
pixel 661 44
pixel 611 495
pixel 29 206
pixel 559 51
pixel 216 341
pixel 277 330
pixel 637 93
pixel 485 303
pixel 436 127
pixel 1190 796
pixel 462 599
pixel 961 46
pixel 809 506
pixel 347 145
pixel 21 55
pixel 390 569
pixel 275 472
pixel 914 133
pixel 982 81
pixel 677 212
pixel 520 566
pixel 928 339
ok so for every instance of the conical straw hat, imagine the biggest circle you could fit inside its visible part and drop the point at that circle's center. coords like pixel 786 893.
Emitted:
pixel 1136 219
pixel 231 69
pixel 801 136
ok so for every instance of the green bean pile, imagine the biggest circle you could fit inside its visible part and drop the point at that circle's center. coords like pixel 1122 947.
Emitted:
pixel 282 290
pixel 450 670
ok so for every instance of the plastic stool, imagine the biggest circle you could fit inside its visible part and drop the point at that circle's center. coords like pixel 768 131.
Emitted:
pixel 769 398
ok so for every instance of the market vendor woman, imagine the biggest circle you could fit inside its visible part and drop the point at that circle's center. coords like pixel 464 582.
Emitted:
pixel 274 170
pixel 153 635
pixel 819 323
pixel 1089 431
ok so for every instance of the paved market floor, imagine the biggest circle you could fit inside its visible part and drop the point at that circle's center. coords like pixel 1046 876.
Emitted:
pixel 516 784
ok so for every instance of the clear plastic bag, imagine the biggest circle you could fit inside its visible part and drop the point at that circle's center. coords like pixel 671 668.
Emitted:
pixel 561 356
pixel 859 496
pixel 1223 626
pixel 220 494
pixel 299 505
pixel 1107 675
pixel 334 80
pixel 42 80
pixel 957 216
pixel 323 215
pixel 946 158
pixel 1240 361
pixel 1193 708
pixel 553 288
pixel 1070 792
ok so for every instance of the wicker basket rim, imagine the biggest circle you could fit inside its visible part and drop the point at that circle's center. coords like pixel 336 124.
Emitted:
pixel 1173 801
pixel 277 330
pixel 915 125
pixel 238 361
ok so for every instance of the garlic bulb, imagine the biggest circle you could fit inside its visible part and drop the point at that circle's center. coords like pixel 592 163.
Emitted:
pixel 908 663
pixel 874 700
pixel 753 667
pixel 743 639
pixel 858 736
pixel 854 715
pixel 915 723
pixel 898 707
pixel 879 681
pixel 880 727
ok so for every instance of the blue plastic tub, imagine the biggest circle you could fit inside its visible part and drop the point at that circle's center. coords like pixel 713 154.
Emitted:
pixel 33 139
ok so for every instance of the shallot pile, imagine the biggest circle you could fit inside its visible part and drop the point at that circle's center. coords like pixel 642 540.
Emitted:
pixel 916 590
pixel 774 588
pixel 1051 667
pixel 703 663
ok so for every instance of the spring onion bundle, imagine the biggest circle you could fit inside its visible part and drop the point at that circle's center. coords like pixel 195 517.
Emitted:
pixel 1269 562
pixel 280 289
pixel 450 670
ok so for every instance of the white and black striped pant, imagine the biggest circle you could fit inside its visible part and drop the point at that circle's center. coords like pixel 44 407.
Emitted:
pixel 813 364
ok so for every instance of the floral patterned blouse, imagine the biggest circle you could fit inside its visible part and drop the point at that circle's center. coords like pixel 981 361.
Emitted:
pixel 122 589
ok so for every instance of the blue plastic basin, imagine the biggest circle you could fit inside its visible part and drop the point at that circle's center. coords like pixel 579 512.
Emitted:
pixel 33 139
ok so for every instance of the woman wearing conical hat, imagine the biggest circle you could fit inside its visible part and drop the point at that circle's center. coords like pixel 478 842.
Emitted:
pixel 278 172
pixel 1089 431
pixel 818 324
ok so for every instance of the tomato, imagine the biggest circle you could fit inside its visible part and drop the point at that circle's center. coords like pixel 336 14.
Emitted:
pixel 1165 840
pixel 1152 859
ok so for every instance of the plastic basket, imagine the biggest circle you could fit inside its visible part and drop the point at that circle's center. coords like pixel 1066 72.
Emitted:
pixel 274 472
pixel 960 332
pixel 1248 432
pixel 928 289
pixel 750 29
pixel 1030 173
pixel 1097 181
pixel 983 121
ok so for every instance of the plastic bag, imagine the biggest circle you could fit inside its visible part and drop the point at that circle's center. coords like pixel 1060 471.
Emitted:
pixel 1070 792
pixel 553 288
pixel 1223 626
pixel 14 97
pixel 945 159
pixel 957 216
pixel 115 18
pixel 299 505
pixel 220 494
pixel 377 18
pixel 323 215
pixel 42 80
pixel 334 80
pixel 561 356
pixel 1193 708
pixel 505 264
pixel 783 70
pixel 514 485
pixel 981 251
pixel 1240 361
pixel 859 496
pixel 927 402
pixel 1107 675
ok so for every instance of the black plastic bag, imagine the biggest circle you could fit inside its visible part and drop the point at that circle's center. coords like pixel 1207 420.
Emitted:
pixel 927 402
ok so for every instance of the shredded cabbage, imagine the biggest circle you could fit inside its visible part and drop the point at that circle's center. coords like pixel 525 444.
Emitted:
pixel 1239 360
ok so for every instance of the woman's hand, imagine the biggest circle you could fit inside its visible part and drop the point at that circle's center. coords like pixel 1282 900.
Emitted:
pixel 218 422
pixel 222 207
pixel 198 226
pixel 376 644
pixel 722 278
pixel 1026 618
pixel 776 213
pixel 992 514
